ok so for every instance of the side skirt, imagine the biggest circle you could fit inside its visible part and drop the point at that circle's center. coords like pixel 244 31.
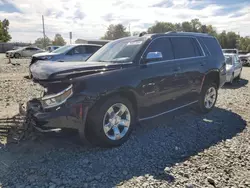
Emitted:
pixel 151 117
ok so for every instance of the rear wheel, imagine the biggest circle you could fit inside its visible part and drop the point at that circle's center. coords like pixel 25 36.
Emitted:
pixel 239 76
pixel 110 123
pixel 231 79
pixel 208 98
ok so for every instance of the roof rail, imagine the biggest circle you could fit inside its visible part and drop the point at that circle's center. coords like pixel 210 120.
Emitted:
pixel 170 32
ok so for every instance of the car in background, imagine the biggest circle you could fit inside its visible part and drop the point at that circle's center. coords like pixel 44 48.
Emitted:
pixel 244 58
pixel 231 51
pixel 233 67
pixel 52 48
pixel 72 52
pixel 23 52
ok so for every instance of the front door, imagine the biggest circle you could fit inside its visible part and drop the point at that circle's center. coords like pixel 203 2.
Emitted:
pixel 160 80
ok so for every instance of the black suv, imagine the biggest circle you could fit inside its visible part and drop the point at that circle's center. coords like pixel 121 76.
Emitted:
pixel 128 80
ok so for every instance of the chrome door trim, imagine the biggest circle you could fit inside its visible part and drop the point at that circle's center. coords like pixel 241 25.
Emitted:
pixel 151 117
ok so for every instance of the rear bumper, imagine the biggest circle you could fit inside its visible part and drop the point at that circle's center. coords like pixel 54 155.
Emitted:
pixel 62 117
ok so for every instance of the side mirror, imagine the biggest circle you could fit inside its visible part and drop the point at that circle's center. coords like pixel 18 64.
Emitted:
pixel 153 56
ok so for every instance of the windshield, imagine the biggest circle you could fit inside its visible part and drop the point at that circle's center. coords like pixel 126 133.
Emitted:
pixel 229 60
pixel 119 51
pixel 62 49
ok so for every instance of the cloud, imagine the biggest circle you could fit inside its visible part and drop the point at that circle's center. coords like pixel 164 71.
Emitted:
pixel 79 14
pixel 90 18
pixel 164 4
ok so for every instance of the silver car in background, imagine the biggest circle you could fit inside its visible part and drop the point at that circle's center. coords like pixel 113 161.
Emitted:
pixel 233 67
pixel 23 52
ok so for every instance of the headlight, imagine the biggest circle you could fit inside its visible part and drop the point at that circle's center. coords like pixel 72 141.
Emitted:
pixel 54 100
pixel 46 57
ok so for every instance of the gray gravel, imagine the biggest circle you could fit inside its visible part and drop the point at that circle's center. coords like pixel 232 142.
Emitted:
pixel 177 150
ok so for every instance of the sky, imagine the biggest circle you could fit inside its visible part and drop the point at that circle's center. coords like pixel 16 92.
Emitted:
pixel 89 19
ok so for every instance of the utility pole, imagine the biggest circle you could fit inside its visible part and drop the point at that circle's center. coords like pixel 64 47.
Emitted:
pixel 129 29
pixel 44 45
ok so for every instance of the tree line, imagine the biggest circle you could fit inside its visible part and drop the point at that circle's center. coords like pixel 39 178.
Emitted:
pixel 4 31
pixel 227 39
pixel 58 41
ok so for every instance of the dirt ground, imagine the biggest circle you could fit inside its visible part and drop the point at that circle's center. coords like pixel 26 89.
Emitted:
pixel 185 150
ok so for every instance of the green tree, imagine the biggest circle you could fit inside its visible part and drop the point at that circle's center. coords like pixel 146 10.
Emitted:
pixel 40 42
pixel 248 48
pixel 58 40
pixel 162 27
pixel 115 32
pixel 196 25
pixel 231 39
pixel 4 31
pixel 187 27
pixel 222 37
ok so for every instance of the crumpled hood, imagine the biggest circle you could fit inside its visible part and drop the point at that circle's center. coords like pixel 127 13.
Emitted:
pixel 48 70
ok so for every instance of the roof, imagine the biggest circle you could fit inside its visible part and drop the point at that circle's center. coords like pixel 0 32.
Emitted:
pixel 84 44
pixel 173 33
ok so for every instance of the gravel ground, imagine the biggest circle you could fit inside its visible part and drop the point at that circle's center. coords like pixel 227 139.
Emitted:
pixel 177 150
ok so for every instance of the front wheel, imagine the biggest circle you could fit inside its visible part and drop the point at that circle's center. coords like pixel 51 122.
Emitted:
pixel 208 98
pixel 110 123
pixel 17 55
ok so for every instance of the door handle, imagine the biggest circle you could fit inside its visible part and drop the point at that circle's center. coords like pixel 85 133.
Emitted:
pixel 203 63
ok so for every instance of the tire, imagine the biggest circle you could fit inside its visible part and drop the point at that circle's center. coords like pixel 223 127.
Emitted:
pixel 17 55
pixel 232 79
pixel 98 116
pixel 202 108
pixel 239 76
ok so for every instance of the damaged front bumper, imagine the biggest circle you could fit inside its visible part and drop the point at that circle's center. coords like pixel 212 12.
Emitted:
pixel 64 116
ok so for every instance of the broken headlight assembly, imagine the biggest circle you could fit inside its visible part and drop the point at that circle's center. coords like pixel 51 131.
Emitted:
pixel 53 100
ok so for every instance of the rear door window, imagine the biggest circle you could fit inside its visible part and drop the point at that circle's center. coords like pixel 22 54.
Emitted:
pixel 92 49
pixel 162 45
pixel 77 50
pixel 184 47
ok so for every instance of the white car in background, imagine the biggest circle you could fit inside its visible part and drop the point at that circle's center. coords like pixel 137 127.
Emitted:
pixel 231 51
pixel 233 67
pixel 244 58
pixel 23 52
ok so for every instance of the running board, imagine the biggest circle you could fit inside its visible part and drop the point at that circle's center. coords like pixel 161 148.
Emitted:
pixel 172 110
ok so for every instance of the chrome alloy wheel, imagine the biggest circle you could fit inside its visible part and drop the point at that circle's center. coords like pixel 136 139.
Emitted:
pixel 116 121
pixel 210 97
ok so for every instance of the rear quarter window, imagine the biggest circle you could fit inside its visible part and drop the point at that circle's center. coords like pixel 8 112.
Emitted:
pixel 212 46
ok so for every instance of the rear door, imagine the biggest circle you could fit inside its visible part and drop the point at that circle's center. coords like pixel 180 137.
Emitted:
pixel 192 61
pixel 159 84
